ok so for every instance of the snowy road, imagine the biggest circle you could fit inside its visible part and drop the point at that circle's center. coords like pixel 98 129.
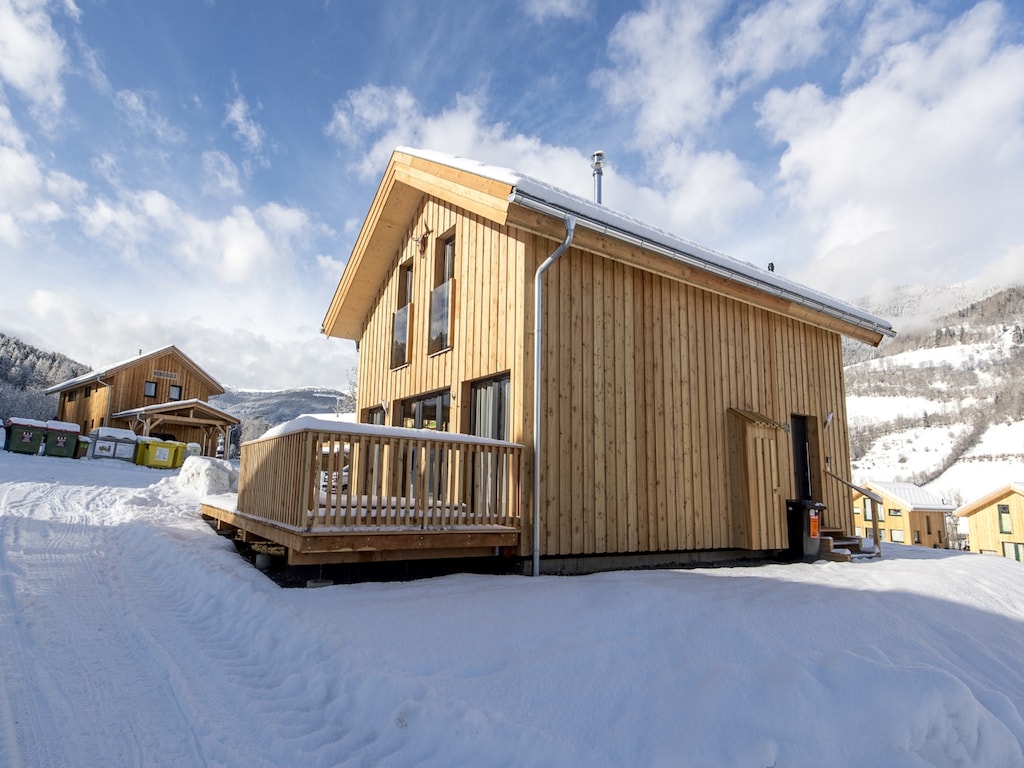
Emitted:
pixel 132 635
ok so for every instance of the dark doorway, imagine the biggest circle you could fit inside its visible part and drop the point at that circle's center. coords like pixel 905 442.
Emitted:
pixel 802 474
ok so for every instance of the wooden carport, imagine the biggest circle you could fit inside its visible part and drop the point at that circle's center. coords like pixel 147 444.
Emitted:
pixel 190 421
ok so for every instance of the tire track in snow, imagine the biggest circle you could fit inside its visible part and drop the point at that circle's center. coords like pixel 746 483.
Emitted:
pixel 70 639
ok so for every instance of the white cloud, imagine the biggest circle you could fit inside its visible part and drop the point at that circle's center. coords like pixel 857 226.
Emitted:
pixel 32 55
pixel 220 174
pixel 543 10
pixel 908 178
pixel 135 107
pixel 27 194
pixel 665 68
pixel 247 131
pixel 778 35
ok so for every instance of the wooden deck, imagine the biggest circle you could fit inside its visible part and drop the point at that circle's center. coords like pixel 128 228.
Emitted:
pixel 360 493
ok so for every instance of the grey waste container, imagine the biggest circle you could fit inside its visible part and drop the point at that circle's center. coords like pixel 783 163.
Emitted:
pixel 803 523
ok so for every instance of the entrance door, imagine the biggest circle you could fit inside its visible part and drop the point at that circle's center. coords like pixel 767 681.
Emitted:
pixel 803 477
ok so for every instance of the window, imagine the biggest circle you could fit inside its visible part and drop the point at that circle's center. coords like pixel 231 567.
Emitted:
pixel 428 412
pixel 489 409
pixel 1004 518
pixel 881 514
pixel 72 396
pixel 868 517
pixel 441 296
pixel 917 537
pixel 175 392
pixel 400 321
pixel 87 392
pixel 928 524
pixel 896 535
pixel 1013 550
pixel 895 512
pixel 150 390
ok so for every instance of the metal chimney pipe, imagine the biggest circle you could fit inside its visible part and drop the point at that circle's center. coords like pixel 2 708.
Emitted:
pixel 598 166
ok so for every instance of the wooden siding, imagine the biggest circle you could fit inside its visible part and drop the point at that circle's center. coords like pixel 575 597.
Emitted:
pixel 486 330
pixel 640 374
pixel 984 524
pixel 640 371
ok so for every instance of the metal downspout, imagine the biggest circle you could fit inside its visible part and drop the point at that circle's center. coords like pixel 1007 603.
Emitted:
pixel 570 230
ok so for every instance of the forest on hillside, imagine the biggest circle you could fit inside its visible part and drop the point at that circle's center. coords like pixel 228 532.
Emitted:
pixel 25 371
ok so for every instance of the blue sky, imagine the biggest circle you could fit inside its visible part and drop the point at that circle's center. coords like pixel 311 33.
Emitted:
pixel 195 172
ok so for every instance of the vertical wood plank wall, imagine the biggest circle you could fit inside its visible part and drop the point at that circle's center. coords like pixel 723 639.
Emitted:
pixel 639 372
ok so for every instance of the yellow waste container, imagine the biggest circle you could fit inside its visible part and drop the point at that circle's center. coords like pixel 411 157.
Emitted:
pixel 158 454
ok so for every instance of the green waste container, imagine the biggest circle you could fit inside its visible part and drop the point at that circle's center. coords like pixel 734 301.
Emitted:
pixel 61 439
pixel 24 435
pixel 158 454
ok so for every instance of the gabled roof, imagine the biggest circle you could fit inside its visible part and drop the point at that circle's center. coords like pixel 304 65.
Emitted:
pixel 109 370
pixel 194 407
pixel 913 498
pixel 990 498
pixel 507 197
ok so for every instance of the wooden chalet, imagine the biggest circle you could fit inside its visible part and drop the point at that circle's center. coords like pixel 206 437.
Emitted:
pixel 160 394
pixel 996 522
pixel 662 405
pixel 908 514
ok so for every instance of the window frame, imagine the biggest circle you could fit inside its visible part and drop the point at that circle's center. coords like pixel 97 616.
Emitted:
pixel 401 318
pixel 440 326
pixel 1003 514
pixel 175 389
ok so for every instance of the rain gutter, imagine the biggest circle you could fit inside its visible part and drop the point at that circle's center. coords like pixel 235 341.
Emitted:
pixel 570 230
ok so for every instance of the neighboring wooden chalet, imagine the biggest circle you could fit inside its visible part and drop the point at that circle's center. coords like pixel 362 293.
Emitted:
pixel 161 394
pixel 908 514
pixel 683 395
pixel 996 522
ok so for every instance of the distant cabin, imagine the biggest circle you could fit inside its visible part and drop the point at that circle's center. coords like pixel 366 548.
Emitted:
pixel 996 522
pixel 163 393
pixel 908 514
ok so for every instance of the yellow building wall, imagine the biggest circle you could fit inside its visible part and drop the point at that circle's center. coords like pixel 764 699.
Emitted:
pixel 984 525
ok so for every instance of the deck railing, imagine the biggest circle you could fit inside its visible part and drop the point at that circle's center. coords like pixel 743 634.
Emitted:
pixel 360 477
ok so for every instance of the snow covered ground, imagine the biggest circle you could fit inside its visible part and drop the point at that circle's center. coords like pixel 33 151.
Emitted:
pixel 131 634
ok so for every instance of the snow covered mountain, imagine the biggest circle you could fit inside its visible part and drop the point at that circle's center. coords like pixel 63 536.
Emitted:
pixel 942 405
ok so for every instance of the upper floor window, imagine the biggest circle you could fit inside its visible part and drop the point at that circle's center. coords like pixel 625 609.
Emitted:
pixel 72 395
pixel 401 320
pixel 150 389
pixel 87 392
pixel 175 393
pixel 895 512
pixel 1004 518
pixel 441 296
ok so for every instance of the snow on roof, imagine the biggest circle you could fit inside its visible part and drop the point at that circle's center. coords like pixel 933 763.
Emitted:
pixel 333 423
pixel 915 497
pixel 172 405
pixel 623 227
pixel 100 372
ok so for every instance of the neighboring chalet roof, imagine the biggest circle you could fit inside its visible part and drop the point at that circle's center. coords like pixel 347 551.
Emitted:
pixel 195 410
pixel 507 197
pixel 990 498
pixel 914 498
pixel 100 373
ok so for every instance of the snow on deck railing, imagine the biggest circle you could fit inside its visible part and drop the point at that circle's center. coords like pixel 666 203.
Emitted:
pixel 321 474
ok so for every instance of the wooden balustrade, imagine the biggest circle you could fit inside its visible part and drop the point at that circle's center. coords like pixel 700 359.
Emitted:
pixel 368 478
